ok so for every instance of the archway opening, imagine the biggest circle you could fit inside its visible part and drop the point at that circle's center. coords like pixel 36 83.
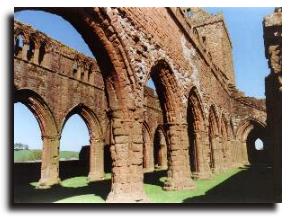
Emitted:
pixel 62 25
pixel 252 134
pixel 160 149
pixel 28 146
pixel 195 121
pixel 257 152
pixel 152 150
pixel 191 120
pixel 74 145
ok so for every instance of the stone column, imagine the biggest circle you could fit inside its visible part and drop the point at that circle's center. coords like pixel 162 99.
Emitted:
pixel 217 154
pixel 24 51
pixel 234 153
pixel 151 156
pixel 245 159
pixel 228 154
pixel 203 168
pixel 49 162
pixel 96 160
pixel 127 157
pixel 162 153
pixel 179 175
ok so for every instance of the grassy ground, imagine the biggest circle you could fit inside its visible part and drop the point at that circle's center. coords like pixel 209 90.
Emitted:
pixel 235 185
pixel 33 155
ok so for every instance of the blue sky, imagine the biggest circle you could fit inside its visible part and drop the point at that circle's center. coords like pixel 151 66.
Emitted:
pixel 245 29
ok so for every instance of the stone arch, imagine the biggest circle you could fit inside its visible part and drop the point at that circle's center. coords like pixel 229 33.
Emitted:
pixel 197 134
pixel 246 126
pixel 40 110
pixel 167 90
pixel 214 140
pixel 87 21
pixel 160 148
pixel 96 151
pixel 179 176
pixel 248 131
pixel 49 134
pixel 94 25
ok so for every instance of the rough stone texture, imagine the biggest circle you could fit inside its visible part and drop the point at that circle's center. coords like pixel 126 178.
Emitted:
pixel 273 50
pixel 192 126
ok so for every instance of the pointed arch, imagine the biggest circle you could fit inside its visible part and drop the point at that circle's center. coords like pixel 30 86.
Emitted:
pixel 196 128
pixel 167 90
pixel 195 106
pixel 247 125
pixel 90 118
pixel 96 150
pixel 248 132
pixel 40 109
pixel 213 120
pixel 93 25
pixel 160 147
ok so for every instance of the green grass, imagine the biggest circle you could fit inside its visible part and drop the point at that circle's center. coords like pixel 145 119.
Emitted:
pixel 248 184
pixel 155 193
pixel 33 155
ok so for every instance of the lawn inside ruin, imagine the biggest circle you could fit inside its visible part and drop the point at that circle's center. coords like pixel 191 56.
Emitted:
pixel 229 186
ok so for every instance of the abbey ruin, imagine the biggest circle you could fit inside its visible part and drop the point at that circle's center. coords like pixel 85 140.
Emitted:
pixel 196 124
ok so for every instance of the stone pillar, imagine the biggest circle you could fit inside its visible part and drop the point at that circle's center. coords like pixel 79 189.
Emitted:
pixel 148 159
pixel 203 169
pixel 228 154
pixel 127 157
pixel 151 156
pixel 235 153
pixel 245 159
pixel 96 160
pixel 179 175
pixel 217 154
pixel 36 54
pixel 24 51
pixel 162 154
pixel 49 162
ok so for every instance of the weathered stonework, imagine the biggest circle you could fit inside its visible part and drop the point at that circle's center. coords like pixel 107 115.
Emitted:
pixel 196 124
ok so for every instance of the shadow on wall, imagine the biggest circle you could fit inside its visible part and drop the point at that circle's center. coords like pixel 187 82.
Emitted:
pixel 252 185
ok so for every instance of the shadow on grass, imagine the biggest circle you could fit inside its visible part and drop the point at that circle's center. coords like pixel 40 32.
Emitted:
pixel 254 184
pixel 25 173
pixel 28 194
pixel 153 178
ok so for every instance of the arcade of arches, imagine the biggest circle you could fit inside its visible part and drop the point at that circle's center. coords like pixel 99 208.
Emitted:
pixel 195 125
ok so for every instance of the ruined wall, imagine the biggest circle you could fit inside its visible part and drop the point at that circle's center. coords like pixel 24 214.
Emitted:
pixel 61 74
pixel 161 43
pixel 215 37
